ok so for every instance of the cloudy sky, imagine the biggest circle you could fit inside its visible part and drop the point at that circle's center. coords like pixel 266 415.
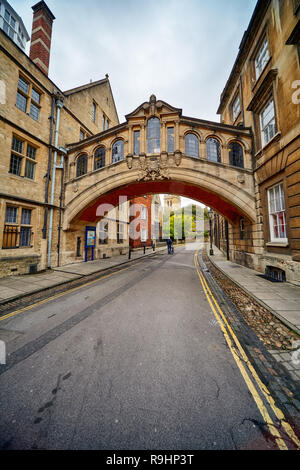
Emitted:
pixel 180 50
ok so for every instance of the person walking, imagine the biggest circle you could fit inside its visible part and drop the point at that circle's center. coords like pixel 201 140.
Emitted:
pixel 170 246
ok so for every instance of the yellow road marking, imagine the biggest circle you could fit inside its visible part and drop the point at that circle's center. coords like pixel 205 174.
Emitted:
pixel 56 296
pixel 279 414
pixel 263 410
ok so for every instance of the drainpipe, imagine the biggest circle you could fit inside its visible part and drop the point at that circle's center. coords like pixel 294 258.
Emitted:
pixel 59 106
pixel 44 230
pixel 61 166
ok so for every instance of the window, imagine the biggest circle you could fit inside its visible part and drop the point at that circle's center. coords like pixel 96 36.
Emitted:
pixel 81 136
pixel 11 215
pixel 118 151
pixel 120 232
pixel 153 135
pixel 25 232
pixel 26 93
pixel 99 158
pixel 236 155
pixel 9 24
pixel 23 158
pixel 267 123
pixel 103 123
pixel 107 124
pixel 213 150
pixel 94 112
pixel 144 235
pixel 242 228
pixel 296 4
pixel 191 145
pixel 236 108
pixel 262 58
pixel 277 214
pixel 103 232
pixel 81 167
pixel 17 233
pixel 136 143
pixel 170 139
pixel 143 215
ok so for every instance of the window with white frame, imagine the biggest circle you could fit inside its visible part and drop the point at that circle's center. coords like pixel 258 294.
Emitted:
pixel 144 235
pixel 267 122
pixel 236 107
pixel 277 215
pixel 143 212
pixel 262 58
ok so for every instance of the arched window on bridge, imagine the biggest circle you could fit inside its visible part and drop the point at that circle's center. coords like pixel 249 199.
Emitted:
pixel 81 165
pixel 213 150
pixel 192 145
pixel 153 135
pixel 99 158
pixel 236 155
pixel 118 151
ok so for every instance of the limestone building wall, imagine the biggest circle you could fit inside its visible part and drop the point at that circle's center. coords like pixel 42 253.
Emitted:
pixel 266 71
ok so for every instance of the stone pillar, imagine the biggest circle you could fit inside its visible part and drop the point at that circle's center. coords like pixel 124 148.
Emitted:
pixel 130 141
pixel 143 139
pixel 225 154
pixel 203 149
pixel 72 170
pixel 90 163
pixel 163 137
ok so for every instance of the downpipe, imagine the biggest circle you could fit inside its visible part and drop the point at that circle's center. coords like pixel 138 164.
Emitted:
pixel 59 106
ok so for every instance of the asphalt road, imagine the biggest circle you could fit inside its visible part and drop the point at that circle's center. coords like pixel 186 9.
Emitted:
pixel 133 361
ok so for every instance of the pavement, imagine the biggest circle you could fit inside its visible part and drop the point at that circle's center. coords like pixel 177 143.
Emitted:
pixel 281 299
pixel 16 287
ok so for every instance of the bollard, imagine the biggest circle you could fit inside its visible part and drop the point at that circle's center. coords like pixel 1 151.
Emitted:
pixel 129 253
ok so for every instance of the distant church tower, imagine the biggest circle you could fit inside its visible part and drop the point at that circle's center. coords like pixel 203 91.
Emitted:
pixel 171 203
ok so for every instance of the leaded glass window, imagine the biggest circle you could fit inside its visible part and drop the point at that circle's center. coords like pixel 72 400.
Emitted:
pixel 136 142
pixel 170 139
pixel 118 151
pixel 153 135
pixel 236 155
pixel 81 165
pixel 191 145
pixel 99 158
pixel 213 150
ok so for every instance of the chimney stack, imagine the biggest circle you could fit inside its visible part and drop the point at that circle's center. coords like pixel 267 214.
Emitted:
pixel 41 36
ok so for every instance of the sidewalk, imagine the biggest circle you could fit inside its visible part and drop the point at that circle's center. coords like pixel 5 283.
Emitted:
pixel 281 299
pixel 15 287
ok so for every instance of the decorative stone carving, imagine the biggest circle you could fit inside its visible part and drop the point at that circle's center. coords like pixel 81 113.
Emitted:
pixel 153 168
pixel 241 179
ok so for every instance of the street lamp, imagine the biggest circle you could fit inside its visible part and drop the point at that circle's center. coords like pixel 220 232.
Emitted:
pixel 210 213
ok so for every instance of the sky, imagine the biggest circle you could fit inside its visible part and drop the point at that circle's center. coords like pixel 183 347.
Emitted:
pixel 180 50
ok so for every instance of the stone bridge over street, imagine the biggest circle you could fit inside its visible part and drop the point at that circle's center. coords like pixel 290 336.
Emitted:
pixel 158 150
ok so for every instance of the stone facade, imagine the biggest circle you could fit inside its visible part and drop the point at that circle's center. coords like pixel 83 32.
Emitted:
pixel 28 145
pixel 262 93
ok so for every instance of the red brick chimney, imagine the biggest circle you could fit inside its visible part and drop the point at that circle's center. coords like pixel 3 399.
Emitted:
pixel 41 36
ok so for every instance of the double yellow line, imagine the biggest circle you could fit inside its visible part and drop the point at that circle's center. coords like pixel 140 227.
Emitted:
pixel 242 360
